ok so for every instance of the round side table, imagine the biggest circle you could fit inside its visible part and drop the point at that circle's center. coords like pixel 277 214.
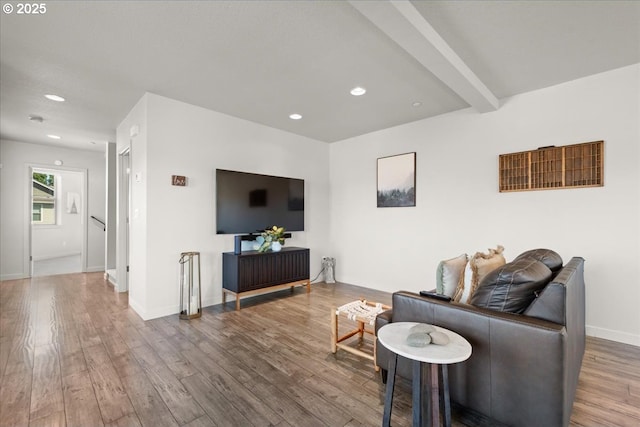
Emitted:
pixel 428 362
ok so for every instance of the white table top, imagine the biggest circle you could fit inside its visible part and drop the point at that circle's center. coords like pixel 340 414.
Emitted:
pixel 394 337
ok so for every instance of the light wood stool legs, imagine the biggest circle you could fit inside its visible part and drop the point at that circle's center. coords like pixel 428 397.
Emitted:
pixel 334 331
pixel 336 342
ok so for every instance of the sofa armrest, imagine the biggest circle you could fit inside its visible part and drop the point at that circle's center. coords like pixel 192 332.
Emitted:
pixel 383 318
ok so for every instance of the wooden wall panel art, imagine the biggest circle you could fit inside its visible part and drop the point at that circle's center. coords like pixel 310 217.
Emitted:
pixel 547 168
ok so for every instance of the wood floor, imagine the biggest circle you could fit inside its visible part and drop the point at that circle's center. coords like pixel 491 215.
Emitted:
pixel 72 353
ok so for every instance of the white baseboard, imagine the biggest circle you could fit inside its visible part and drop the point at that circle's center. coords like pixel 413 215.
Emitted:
pixel 111 279
pixel 210 301
pixel 95 269
pixel 137 308
pixel 166 311
pixel 609 334
pixel 56 255
pixel 14 276
pixel 155 313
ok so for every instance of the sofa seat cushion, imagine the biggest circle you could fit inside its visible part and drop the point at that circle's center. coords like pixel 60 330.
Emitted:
pixel 512 287
pixel 546 256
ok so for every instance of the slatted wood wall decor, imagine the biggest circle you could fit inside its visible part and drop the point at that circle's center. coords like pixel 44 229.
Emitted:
pixel 569 166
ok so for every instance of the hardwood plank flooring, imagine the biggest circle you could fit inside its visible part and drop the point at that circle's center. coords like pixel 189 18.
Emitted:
pixel 81 405
pixel 72 353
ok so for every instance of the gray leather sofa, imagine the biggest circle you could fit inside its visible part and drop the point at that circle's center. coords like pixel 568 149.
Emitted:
pixel 524 367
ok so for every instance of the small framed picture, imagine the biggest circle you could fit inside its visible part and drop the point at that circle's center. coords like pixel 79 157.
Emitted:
pixel 178 180
pixel 396 182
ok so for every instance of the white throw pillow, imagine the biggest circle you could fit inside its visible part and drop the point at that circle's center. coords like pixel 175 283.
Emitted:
pixel 448 274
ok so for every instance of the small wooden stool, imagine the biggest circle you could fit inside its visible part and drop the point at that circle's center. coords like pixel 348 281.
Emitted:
pixel 360 311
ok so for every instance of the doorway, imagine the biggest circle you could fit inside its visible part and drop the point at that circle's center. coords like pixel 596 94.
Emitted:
pixel 123 215
pixel 57 218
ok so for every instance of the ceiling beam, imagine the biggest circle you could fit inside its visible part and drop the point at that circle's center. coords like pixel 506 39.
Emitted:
pixel 402 22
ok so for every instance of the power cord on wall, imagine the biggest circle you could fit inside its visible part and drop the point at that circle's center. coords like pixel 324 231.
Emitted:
pixel 328 264
pixel 315 278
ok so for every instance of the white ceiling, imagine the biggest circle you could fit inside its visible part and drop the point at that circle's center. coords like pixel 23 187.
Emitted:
pixel 263 60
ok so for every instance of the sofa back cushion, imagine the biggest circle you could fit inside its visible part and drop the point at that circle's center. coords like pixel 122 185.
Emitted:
pixel 546 256
pixel 513 286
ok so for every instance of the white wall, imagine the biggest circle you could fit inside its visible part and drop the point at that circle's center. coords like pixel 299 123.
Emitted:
pixel 14 222
pixel 459 208
pixel 65 237
pixel 182 139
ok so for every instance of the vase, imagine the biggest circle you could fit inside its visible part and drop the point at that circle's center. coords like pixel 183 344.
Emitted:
pixel 276 246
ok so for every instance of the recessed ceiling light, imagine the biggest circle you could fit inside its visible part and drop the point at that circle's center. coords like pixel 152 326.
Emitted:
pixel 417 104
pixel 295 116
pixel 357 91
pixel 55 98
pixel 53 136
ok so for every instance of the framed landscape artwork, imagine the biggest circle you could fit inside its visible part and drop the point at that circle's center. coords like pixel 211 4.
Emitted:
pixel 397 181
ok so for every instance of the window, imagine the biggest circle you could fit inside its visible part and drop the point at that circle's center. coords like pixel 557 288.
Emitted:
pixel 37 212
pixel 43 199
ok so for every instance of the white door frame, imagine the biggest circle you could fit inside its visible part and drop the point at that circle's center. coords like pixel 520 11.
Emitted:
pixel 123 211
pixel 28 206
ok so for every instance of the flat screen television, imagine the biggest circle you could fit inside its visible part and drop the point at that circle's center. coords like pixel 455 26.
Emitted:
pixel 249 203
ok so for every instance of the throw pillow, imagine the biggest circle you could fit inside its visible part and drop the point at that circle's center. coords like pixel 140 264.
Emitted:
pixel 483 264
pixel 462 290
pixel 448 274
pixel 479 265
pixel 513 286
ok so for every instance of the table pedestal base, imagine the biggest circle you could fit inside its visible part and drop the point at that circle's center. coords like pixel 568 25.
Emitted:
pixel 426 407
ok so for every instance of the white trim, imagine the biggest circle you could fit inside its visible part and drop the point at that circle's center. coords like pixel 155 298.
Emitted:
pixel 110 276
pixel 56 255
pixel 165 311
pixel 138 309
pixel 14 276
pixel 123 204
pixel 161 312
pixel 609 334
pixel 27 266
pixel 210 301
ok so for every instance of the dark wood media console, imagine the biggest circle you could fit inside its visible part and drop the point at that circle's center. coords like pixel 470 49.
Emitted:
pixel 252 272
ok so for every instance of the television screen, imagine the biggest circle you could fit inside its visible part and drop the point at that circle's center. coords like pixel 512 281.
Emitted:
pixel 249 203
